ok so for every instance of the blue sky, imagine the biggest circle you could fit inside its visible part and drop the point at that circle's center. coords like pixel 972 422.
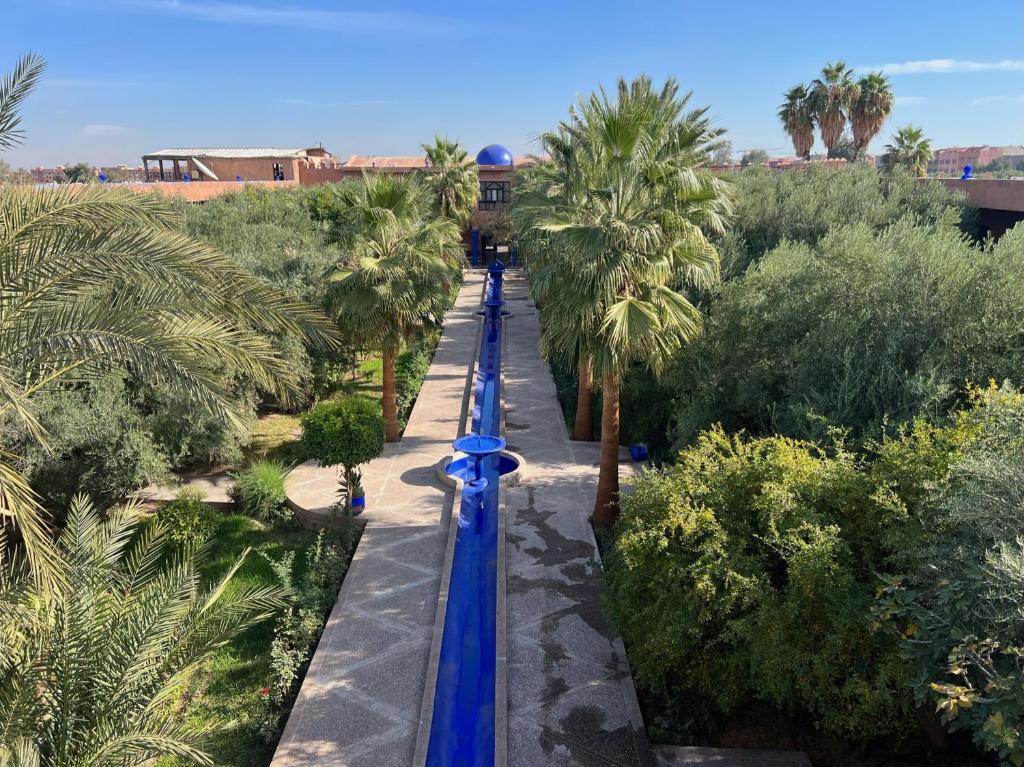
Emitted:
pixel 380 77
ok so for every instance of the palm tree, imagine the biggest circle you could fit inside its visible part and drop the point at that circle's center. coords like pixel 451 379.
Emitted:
pixel 870 110
pixel 910 150
pixel 452 179
pixel 633 234
pixel 405 261
pixel 104 277
pixel 833 94
pixel 552 182
pixel 797 115
pixel 88 669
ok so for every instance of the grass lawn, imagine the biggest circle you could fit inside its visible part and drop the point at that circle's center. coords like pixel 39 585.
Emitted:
pixel 228 685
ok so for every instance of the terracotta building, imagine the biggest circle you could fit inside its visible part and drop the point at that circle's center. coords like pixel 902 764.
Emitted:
pixel 246 164
pixel 951 160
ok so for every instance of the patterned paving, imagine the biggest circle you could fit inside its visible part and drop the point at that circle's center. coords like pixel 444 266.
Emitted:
pixel 360 701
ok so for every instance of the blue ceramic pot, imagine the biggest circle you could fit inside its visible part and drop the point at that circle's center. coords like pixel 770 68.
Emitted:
pixel 358 504
pixel 638 452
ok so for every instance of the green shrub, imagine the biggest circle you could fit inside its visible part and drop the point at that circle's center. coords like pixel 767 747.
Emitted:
pixel 748 570
pixel 410 369
pixel 959 613
pixel 864 330
pixel 187 520
pixel 259 490
pixel 803 206
pixel 100 445
pixel 346 432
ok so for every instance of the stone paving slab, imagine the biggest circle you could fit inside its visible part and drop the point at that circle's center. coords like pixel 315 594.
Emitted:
pixel 571 696
pixel 360 701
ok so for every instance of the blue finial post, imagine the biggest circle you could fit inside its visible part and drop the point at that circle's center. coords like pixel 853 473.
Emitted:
pixel 967 173
pixel 103 178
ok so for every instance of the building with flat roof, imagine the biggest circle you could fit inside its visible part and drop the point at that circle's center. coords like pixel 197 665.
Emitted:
pixel 950 161
pixel 224 164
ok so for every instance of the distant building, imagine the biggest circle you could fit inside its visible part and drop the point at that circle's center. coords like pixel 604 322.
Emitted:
pixel 950 161
pixel 248 164
pixel 123 173
pixel 48 175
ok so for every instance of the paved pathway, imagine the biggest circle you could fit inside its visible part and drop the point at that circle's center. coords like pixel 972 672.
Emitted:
pixel 571 696
pixel 360 701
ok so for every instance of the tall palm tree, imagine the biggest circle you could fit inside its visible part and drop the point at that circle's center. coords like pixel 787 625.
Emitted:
pixel 88 668
pixel 635 234
pixel 452 179
pixel 833 94
pixel 104 277
pixel 870 109
pixel 405 261
pixel 910 150
pixel 553 181
pixel 797 115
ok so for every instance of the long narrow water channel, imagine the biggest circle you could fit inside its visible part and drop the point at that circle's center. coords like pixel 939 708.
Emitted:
pixel 462 725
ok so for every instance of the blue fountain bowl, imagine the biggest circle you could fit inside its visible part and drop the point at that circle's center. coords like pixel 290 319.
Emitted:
pixel 479 444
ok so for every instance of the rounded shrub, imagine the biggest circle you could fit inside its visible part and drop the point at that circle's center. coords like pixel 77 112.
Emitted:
pixel 344 433
pixel 187 520
pixel 259 490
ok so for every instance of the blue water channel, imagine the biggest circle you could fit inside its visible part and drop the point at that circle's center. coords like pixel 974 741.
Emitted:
pixel 462 726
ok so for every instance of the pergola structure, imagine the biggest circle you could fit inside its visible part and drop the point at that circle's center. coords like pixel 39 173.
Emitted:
pixel 177 165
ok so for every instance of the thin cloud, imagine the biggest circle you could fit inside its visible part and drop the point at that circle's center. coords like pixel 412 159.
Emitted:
pixel 297 17
pixel 945 67
pixel 104 130
pixel 1015 98
pixel 909 101
pixel 358 103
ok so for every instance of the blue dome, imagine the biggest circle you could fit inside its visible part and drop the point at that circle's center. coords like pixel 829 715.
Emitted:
pixel 494 154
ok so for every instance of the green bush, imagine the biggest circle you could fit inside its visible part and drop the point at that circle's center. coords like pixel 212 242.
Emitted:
pixel 259 490
pixel 187 520
pixel 410 369
pixel 864 330
pixel 959 613
pixel 100 445
pixel 748 571
pixel 346 432
pixel 803 206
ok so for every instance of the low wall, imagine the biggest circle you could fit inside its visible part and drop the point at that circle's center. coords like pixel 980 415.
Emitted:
pixel 992 193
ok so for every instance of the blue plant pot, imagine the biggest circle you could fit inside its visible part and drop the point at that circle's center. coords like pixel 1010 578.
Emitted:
pixel 638 452
pixel 358 504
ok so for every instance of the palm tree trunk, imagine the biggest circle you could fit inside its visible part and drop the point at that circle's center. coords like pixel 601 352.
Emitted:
pixel 606 507
pixel 583 429
pixel 388 396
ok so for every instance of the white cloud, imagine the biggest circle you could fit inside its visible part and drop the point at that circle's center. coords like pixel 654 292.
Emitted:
pixel 297 17
pixel 945 66
pixel 909 101
pixel 104 130
pixel 1003 99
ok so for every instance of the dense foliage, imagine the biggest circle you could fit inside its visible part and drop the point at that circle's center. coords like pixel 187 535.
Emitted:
pixel 344 433
pixel 803 206
pixel 187 520
pixel 87 667
pixel 862 329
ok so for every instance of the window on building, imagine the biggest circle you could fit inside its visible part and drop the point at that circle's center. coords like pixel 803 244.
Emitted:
pixel 494 194
pixel 278 171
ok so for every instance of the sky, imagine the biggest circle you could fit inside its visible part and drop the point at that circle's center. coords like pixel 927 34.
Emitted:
pixel 380 77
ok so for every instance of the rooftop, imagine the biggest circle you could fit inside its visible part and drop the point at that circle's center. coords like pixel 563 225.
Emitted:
pixel 231 154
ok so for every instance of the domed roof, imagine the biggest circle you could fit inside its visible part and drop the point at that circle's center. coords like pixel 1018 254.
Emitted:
pixel 494 154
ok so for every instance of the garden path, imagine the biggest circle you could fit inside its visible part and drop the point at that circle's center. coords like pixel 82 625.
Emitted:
pixel 360 701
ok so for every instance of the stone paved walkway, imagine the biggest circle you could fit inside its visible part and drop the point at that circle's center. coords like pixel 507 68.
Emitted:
pixel 571 696
pixel 360 701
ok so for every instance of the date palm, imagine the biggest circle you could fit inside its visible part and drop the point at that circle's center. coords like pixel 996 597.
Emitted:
pixel 404 263
pixel 870 110
pixel 452 179
pixel 910 150
pixel 833 95
pixel 89 668
pixel 633 235
pixel 104 277
pixel 797 115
